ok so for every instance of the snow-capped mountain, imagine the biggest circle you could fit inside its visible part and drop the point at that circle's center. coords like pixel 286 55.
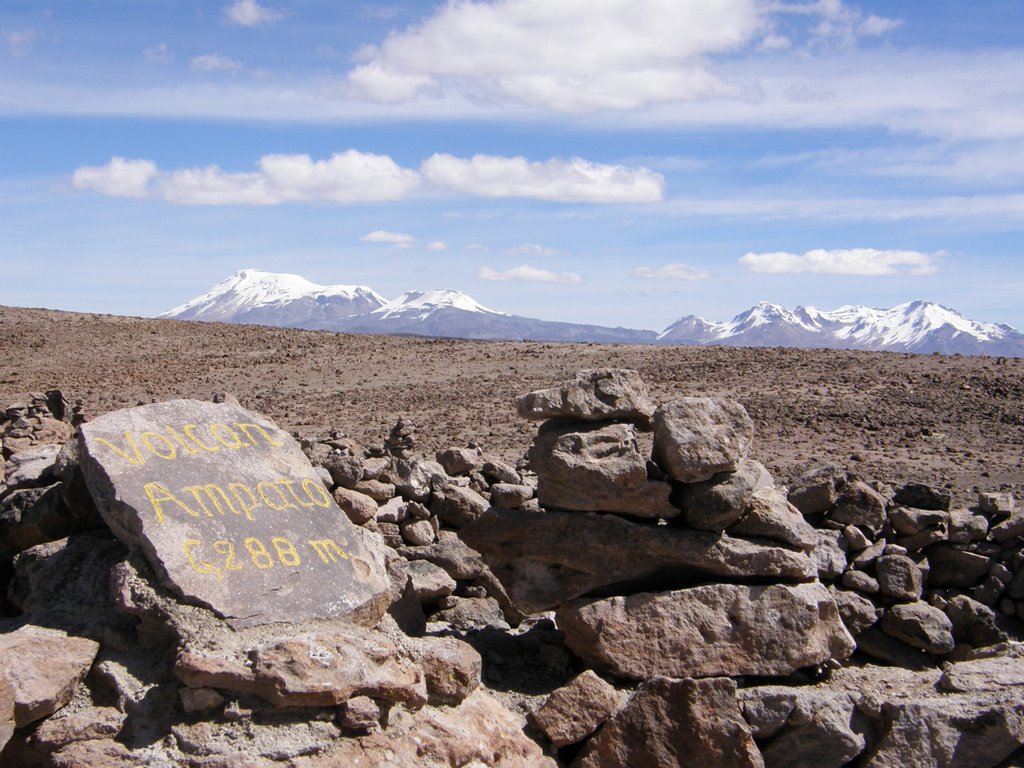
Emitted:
pixel 254 296
pixel 917 326
pixel 268 298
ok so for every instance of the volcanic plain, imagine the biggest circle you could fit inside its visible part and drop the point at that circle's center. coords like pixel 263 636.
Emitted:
pixel 947 421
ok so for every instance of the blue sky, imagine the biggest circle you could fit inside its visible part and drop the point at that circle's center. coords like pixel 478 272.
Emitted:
pixel 622 162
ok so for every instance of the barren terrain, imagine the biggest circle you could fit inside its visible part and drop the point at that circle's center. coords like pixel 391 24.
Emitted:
pixel 953 421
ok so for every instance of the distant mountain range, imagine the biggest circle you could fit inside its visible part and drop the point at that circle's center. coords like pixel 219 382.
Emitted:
pixel 266 298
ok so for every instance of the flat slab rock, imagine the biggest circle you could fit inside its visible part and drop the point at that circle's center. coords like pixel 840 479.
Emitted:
pixel 715 630
pixel 545 559
pixel 605 394
pixel 230 514
pixel 42 668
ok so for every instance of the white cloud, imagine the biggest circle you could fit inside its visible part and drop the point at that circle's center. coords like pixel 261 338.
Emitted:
pixel 572 181
pixel 838 24
pixel 249 13
pixel 532 249
pixel 569 56
pixel 384 236
pixel 346 177
pixel 437 246
pixel 118 178
pixel 214 62
pixel 158 54
pixel 671 272
pixel 855 261
pixel 529 274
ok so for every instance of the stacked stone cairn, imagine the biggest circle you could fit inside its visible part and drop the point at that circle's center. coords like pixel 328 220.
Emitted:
pixel 637 592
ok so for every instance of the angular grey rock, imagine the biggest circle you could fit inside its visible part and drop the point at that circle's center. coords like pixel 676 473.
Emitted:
pixel 715 504
pixel 911 520
pixel 877 645
pixel 923 496
pixel 955 731
pixel 695 438
pixel 413 479
pixel 673 724
pixel 978 625
pixel 819 726
pixel 596 468
pixel 857 612
pixel 995 673
pixel 498 471
pixel 899 577
pixel 545 559
pixel 817 490
pixel 43 667
pixel 6 705
pixel 510 495
pixel 32 466
pixel 829 554
pixel 996 503
pixel 713 630
pixel 920 625
pixel 577 709
pixel 769 515
pixel 470 613
pixel 429 582
pixel 345 470
pixel 419 533
pixel 607 394
pixel 953 567
pixel 230 514
pixel 458 506
pixel 861 582
pixel 1010 528
pixel 459 461
pixel 860 504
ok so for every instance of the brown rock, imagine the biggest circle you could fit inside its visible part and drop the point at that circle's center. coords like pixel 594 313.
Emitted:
pixel 593 395
pixel 899 577
pixel 361 713
pixel 817 490
pixel 459 461
pixel 952 567
pixel 996 673
pixel 418 533
pixel 510 495
pixel 6 712
pixel 359 507
pixel 468 613
pixel 345 470
pixel 596 468
pixel 450 666
pixel 458 506
pixel 860 504
pixel 769 516
pixel 715 504
pixel 545 559
pixel 695 438
pixel 43 667
pixel 706 631
pixel 89 724
pixel 577 709
pixel 673 724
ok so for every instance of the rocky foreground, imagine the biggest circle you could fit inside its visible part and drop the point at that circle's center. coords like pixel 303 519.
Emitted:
pixel 639 591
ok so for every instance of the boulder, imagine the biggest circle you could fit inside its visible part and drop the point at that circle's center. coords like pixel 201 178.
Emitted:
pixel 950 566
pixel 230 514
pixel 994 673
pixel 451 667
pixel 545 559
pixel 829 553
pixel 707 631
pixel 32 467
pixel 715 504
pixel 596 468
pixel 673 724
pixel 458 506
pixel 345 470
pixel 7 723
pixel 607 394
pixel 510 495
pixel 359 507
pixel 857 612
pixel 577 709
pixel 459 461
pixel 429 582
pixel 978 625
pixel 860 504
pixel 695 438
pixel 912 520
pixel 43 667
pixel 923 496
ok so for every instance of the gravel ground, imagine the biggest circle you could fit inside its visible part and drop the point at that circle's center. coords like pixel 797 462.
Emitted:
pixel 950 421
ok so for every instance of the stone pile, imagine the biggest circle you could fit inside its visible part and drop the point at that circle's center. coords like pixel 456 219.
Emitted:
pixel 637 592
pixel 685 571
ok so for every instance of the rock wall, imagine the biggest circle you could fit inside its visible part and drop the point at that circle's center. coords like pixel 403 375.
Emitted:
pixel 635 592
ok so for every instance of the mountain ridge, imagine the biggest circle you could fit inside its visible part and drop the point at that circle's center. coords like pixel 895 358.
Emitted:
pixel 255 296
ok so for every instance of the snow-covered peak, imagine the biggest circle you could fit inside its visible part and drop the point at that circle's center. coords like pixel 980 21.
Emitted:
pixel 910 323
pixel 250 289
pixel 765 314
pixel 424 303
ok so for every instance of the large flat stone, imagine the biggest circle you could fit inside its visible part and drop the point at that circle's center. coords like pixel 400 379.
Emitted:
pixel 43 667
pixel 708 631
pixel 545 559
pixel 605 394
pixel 231 514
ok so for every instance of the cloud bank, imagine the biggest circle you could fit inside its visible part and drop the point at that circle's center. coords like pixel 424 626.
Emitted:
pixel 857 261
pixel 572 181
pixel 671 272
pixel 353 176
pixel 529 274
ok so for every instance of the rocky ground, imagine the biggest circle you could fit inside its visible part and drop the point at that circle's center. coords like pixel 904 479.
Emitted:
pixel 948 421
